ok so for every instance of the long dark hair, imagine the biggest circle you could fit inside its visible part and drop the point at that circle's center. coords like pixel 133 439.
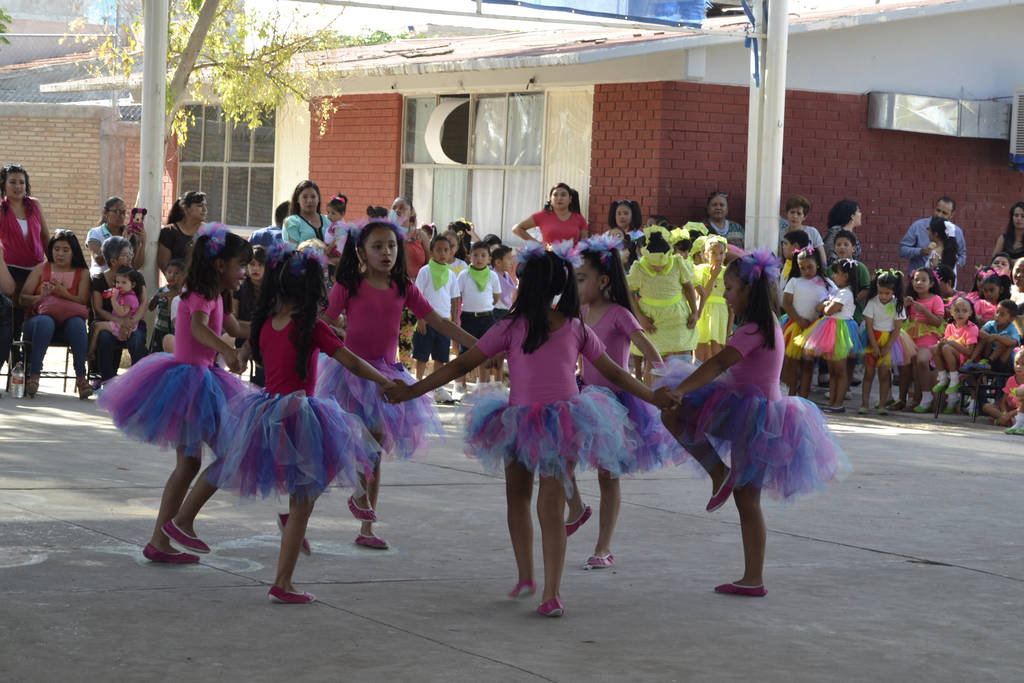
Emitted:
pixel 841 212
pixel 1009 236
pixel 609 263
pixel 950 248
pixel 636 218
pixel 574 199
pixel 972 318
pixel 762 302
pixel 186 200
pixel 201 273
pixel 933 288
pixel 849 266
pixel 799 239
pixel 464 240
pixel 541 279
pixel 77 258
pixel 8 169
pixel 348 273
pixel 297 280
pixel 1002 281
pixel 293 206
pixel 891 279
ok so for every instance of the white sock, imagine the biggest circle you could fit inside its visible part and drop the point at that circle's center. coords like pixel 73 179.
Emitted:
pixel 1018 422
pixel 943 377
pixel 926 400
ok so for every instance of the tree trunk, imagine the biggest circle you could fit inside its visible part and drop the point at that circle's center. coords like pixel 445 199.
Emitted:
pixel 177 88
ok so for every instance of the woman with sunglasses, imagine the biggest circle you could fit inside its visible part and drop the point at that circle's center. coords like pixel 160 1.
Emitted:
pixel 114 222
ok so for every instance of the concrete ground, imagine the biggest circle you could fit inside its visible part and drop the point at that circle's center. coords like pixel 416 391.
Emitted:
pixel 910 570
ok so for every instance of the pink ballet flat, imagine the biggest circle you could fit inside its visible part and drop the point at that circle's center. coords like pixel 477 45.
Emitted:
pixel 282 519
pixel 153 555
pixel 722 494
pixel 183 540
pixel 282 596
pixel 372 542
pixel 571 527
pixel 362 514
pixel 746 591
pixel 522 589
pixel 552 608
pixel 599 561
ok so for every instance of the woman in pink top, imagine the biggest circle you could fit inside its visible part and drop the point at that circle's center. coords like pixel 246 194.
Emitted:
pixel 560 220
pixel 730 408
pixel 607 309
pixel 544 426
pixel 284 440
pixel 179 401
pixel 372 288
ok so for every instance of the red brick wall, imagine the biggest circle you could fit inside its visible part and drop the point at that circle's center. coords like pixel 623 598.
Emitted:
pixel 688 139
pixel 130 186
pixel 359 153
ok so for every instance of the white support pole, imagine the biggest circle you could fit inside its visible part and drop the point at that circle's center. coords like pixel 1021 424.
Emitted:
pixel 755 108
pixel 773 115
pixel 152 145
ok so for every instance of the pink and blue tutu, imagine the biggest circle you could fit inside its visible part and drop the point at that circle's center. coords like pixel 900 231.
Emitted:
pixel 654 447
pixel 402 427
pixel 549 439
pixel 291 444
pixel 834 339
pixel 169 403
pixel 782 445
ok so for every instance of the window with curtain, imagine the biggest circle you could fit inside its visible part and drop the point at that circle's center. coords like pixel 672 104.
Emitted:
pixel 233 165
pixel 474 156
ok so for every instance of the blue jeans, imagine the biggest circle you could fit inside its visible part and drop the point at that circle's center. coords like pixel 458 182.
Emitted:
pixel 108 350
pixel 41 330
pixel 6 329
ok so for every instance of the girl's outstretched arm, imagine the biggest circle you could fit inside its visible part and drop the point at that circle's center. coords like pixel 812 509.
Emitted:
pixel 450 329
pixel 235 327
pixel 614 373
pixel 709 370
pixel 645 346
pixel 359 367
pixel 457 368
pixel 201 332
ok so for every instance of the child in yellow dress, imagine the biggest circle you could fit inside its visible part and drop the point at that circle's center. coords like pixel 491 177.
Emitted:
pixel 662 282
pixel 715 318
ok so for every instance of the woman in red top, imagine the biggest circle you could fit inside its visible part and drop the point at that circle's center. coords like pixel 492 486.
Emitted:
pixel 560 220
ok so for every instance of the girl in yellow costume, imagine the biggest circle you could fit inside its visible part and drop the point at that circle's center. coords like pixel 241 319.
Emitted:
pixel 715 318
pixel 666 303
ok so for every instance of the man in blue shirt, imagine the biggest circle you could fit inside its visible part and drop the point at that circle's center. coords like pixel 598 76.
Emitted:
pixel 914 245
pixel 265 237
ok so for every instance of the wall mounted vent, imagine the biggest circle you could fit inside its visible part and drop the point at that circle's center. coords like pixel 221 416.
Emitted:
pixel 939 115
pixel 1017 129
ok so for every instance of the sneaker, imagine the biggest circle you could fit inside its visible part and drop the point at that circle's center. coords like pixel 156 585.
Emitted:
pixel 970 367
pixel 1015 431
pixel 882 411
pixel 954 386
pixel 599 561
pixel 442 395
pixel 941 384
pixel 922 408
pixel 863 411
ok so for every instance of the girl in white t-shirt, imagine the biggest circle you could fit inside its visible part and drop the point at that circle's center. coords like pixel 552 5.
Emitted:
pixel 800 299
pixel 836 337
pixel 887 345
pixel 479 289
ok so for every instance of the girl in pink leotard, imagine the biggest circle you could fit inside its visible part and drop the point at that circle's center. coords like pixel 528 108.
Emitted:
pixel 179 400
pixel 544 425
pixel 372 289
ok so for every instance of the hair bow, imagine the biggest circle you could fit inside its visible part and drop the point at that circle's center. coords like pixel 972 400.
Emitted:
pixel 635 234
pixel 848 263
pixel 531 250
pixel 300 258
pixel 888 271
pixel 950 229
pixel 568 252
pixel 217 235
pixel 757 264
pixel 278 252
pixel 339 198
pixel 604 245
pixel 715 239
pixel 804 251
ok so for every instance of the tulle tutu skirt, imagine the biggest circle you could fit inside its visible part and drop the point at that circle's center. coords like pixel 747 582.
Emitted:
pixel 794 336
pixel 900 353
pixel 171 404
pixel 783 446
pixel 403 427
pixel 291 444
pixel 548 439
pixel 834 339
pixel 652 445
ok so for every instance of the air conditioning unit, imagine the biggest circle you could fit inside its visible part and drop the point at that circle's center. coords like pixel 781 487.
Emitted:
pixel 1017 130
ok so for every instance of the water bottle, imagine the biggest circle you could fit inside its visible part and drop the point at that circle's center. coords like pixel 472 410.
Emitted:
pixel 18 380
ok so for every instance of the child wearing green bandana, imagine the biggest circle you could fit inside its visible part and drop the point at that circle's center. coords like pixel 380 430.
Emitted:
pixel 479 288
pixel 437 283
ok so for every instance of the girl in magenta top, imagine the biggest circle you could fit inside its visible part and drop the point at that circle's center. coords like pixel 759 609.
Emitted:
pixel 284 440
pixel 607 309
pixel 560 220
pixel 730 409
pixel 545 425
pixel 180 400
pixel 925 324
pixel 371 290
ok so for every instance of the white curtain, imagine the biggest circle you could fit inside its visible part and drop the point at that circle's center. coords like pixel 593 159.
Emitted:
pixel 569 120
pixel 525 126
pixel 487 200
pixel 418 113
pixel 423 193
pixel 522 199
pixel 449 196
pixel 489 142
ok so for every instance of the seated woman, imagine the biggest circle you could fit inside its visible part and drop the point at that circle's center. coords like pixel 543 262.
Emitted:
pixel 55 295
pixel 117 252
pixel 115 222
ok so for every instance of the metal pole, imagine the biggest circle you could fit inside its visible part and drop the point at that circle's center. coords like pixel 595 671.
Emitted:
pixel 152 145
pixel 755 109
pixel 773 116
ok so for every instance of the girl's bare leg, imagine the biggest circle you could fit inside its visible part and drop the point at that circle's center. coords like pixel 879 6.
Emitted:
pixel 865 387
pixel 839 382
pixel 299 511
pixel 185 471
pixel 806 371
pixel 518 494
pixel 754 532
pixel 372 489
pixel 551 512
pixel 185 518
pixel 611 501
